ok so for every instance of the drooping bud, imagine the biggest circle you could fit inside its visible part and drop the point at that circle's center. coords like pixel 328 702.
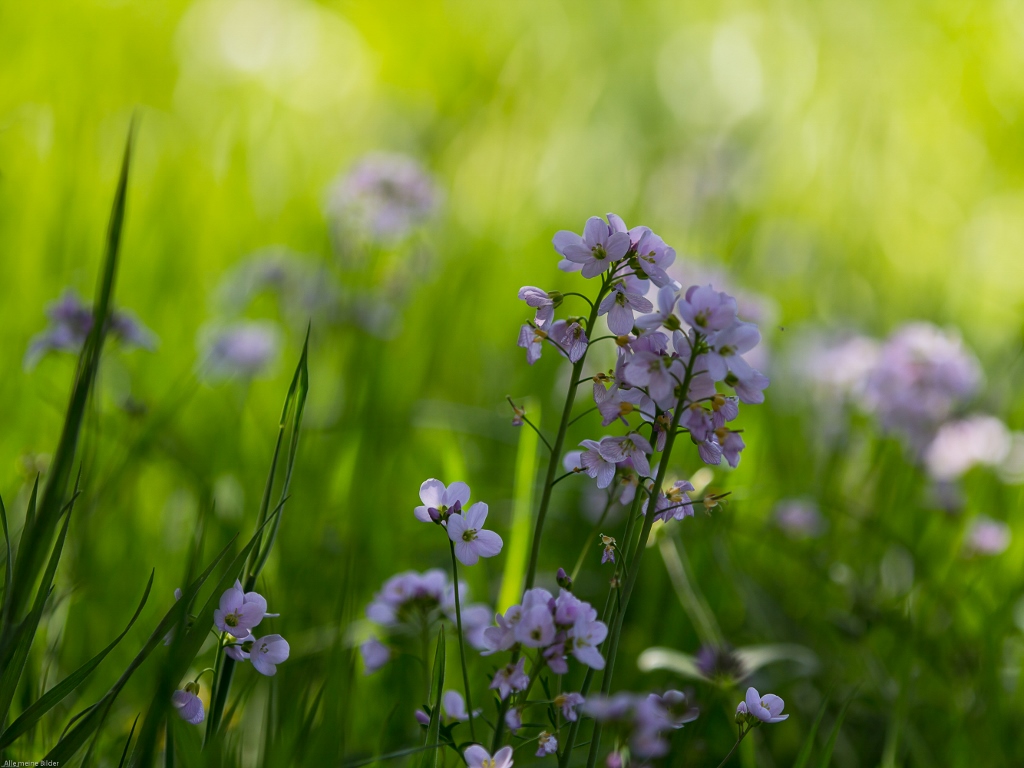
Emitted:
pixel 563 580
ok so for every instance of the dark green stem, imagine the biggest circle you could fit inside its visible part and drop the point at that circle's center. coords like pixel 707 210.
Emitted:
pixel 462 641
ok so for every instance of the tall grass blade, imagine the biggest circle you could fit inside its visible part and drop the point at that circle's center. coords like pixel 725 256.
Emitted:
pixel 826 756
pixel 93 718
pixel 124 752
pixel 430 758
pixel 57 693
pixel 518 549
pixel 38 533
pixel 805 751
pixel 7 545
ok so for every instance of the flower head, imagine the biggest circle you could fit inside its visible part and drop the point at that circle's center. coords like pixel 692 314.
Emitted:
pixel 510 679
pixel 188 704
pixel 440 501
pixel 595 251
pixel 375 655
pixel 239 611
pixel 478 757
pixel 619 305
pixel 472 541
pixel 767 708
pixel 547 744
pixel 266 653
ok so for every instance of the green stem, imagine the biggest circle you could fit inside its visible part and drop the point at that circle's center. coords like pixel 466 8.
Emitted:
pixel 462 641
pixel 556 449
pixel 734 746
pixel 591 536
pixel 638 551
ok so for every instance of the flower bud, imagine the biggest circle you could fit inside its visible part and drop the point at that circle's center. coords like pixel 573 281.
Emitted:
pixel 563 580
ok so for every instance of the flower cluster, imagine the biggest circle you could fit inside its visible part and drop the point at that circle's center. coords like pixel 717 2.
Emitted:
pixel 555 627
pixel 410 601
pixel 756 709
pixel 71 320
pixel 642 721
pixel 237 614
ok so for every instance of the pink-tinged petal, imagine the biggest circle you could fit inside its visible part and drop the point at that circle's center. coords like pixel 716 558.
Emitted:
pixel 641 464
pixel 605 474
pixel 567 266
pixel 595 232
pixel 579 254
pixel 456 527
pixel 249 615
pixel 487 543
pixel 590 656
pixel 456 492
pixel 257 599
pixel 620 319
pixel 716 367
pixel 564 239
pixel 594 268
pixel 475 755
pixel 232 599
pixel 773 703
pixel 278 649
pixel 422 514
pixel 503 757
pixel 261 665
pixel 777 718
pixel 465 552
pixel 218 620
pixel 476 515
pixel 616 223
pixel 753 700
pixel 617 246
pixel 640 442
pixel 432 493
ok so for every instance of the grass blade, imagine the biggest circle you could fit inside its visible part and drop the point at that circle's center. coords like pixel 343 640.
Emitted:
pixel 805 751
pixel 518 550
pixel 94 717
pixel 57 693
pixel 124 753
pixel 430 758
pixel 826 756
pixel 7 544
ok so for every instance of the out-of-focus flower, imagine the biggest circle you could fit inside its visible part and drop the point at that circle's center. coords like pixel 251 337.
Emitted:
pixel 514 720
pixel 510 679
pixel 267 652
pixel 384 197
pixel 720 663
pixel 922 375
pixel 677 707
pixel 547 744
pixel 767 708
pixel 569 703
pixel 71 320
pixel 960 445
pixel 799 518
pixel 707 310
pixel 472 541
pixel 188 704
pixel 455 706
pixel 986 536
pixel 244 349
pixel 640 720
pixel 375 655
pixel 478 757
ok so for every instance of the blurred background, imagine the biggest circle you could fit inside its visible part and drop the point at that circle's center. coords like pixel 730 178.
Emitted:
pixel 393 173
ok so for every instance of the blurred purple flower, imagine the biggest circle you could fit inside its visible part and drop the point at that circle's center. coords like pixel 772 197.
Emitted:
pixel 986 536
pixel 244 349
pixel 375 655
pixel 511 678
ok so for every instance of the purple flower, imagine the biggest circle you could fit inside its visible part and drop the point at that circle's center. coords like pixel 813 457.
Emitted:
pixel 633 446
pixel 709 450
pixel 619 305
pixel 596 250
pixel 536 628
pixel 656 372
pixel 542 301
pixel 960 445
pixel 570 338
pixel 514 720
pixel 588 633
pixel 188 704
pixel 244 349
pixel 596 465
pixel 767 708
pixel 731 444
pixel 266 653
pixel 471 540
pixel 698 421
pixel 618 404
pixel 510 679
pixel 569 703
pixel 707 310
pixel 478 757
pixel 667 298
pixel 726 346
pixel 440 501
pixel 987 536
pixel 239 611
pixel 654 257
pixel 673 503
pixel 799 518
pixel 375 655
pixel 532 340
pixel 384 195
pixel 455 706
pixel 546 744
pixel 677 707
pixel 749 386
pixel 239 651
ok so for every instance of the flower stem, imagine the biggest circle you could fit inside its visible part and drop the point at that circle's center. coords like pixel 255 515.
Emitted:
pixel 556 449
pixel 638 551
pixel 743 733
pixel 462 641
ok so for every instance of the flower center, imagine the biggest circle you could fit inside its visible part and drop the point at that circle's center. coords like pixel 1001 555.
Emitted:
pixel 469 534
pixel 231 620
pixel 488 763
pixel 600 254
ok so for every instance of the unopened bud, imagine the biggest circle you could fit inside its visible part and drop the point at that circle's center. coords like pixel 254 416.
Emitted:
pixel 563 580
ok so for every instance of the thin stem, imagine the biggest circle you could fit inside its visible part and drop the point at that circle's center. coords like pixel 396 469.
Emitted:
pixel 556 450
pixel 591 536
pixel 734 746
pixel 539 433
pixel 562 477
pixel 580 296
pixel 638 552
pixel 580 416
pixel 462 642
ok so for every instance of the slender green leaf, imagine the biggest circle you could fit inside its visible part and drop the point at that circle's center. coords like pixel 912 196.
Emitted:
pixel 805 751
pixel 57 693
pixel 124 752
pixel 826 756
pixel 430 758
pixel 93 718
pixel 7 544
pixel 38 530
pixel 26 631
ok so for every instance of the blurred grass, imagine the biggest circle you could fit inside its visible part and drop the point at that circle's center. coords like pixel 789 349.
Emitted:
pixel 859 163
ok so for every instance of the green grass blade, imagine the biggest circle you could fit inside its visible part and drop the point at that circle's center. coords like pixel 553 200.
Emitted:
pixel 295 403
pixel 37 535
pixel 57 693
pixel 124 752
pixel 805 751
pixel 7 562
pixel 184 649
pixel 93 719
pixel 826 756
pixel 430 758
pixel 518 550
pixel 11 675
